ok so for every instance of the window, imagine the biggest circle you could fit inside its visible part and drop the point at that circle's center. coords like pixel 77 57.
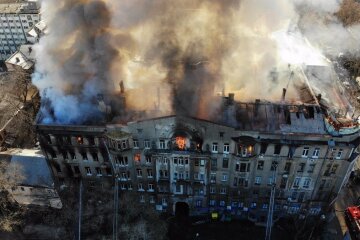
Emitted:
pixel 149 173
pixel 95 156
pixel 124 175
pixel 273 166
pixel 222 204
pixel 244 167
pixel 277 149
pixel 137 157
pixel 108 171
pixel 296 182
pixel 76 169
pixel 263 148
pixel 287 167
pixel 307 183
pixel 260 165
pixel 88 171
pixel 175 160
pixel 140 187
pixel 186 161
pixel 294 195
pixel 84 155
pixel 305 152
pixel 163 201
pixel 98 171
pixel 257 180
pixel 338 155
pixel 152 199
pixel 235 182
pixel 226 148
pixel 150 187
pixel 243 182
pixel 147 144
pixel 196 175
pixel 212 190
pixel 181 175
pixel 165 160
pixel 124 144
pixel 213 178
pixel 225 163
pixel 215 148
pixel 198 203
pixel 213 163
pixel 311 168
pixel 334 168
pixel 148 159
pixel 202 162
pixel 224 177
pixel 80 140
pixel 136 143
pixel 162 144
pixel 212 202
pixel 270 181
pixel 123 186
pixel 223 190
pixel 316 153
pixel 139 172
pixel 196 162
pixel 301 167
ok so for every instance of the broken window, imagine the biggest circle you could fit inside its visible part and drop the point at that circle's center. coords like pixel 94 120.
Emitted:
pixel 80 140
pixel 263 148
pixel 137 157
pixel 277 149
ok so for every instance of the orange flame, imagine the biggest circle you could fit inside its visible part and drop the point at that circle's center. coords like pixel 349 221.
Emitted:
pixel 180 142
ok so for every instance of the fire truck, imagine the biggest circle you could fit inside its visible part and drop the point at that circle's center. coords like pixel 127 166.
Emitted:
pixel 352 217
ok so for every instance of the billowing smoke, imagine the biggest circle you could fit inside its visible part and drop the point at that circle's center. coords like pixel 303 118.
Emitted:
pixel 177 55
pixel 74 60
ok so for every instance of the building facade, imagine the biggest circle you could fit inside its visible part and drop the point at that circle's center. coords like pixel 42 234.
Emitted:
pixel 16 20
pixel 212 166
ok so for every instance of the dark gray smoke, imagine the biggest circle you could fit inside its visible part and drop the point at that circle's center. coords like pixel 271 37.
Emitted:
pixel 74 61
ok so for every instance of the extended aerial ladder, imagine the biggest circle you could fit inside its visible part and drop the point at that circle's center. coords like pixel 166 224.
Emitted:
pixel 270 214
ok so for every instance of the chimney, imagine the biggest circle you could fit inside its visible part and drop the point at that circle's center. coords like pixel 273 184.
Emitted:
pixel 17 59
pixel 283 95
pixel 122 88
pixel 318 97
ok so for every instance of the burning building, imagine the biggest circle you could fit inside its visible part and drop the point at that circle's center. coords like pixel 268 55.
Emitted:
pixel 226 165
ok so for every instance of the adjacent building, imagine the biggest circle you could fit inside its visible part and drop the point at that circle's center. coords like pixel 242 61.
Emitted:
pixel 230 165
pixel 17 18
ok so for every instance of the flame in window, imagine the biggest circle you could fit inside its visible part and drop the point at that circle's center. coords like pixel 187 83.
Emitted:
pixel 137 157
pixel 79 140
pixel 180 142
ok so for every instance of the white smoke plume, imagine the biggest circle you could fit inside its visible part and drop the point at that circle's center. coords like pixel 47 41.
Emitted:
pixel 185 51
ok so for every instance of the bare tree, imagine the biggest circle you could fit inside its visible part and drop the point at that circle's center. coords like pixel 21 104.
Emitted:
pixel 349 12
pixel 10 213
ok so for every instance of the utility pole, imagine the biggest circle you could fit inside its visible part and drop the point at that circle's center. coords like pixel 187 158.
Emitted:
pixel 80 209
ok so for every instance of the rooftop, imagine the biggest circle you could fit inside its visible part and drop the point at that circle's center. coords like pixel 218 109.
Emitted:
pixel 18 6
